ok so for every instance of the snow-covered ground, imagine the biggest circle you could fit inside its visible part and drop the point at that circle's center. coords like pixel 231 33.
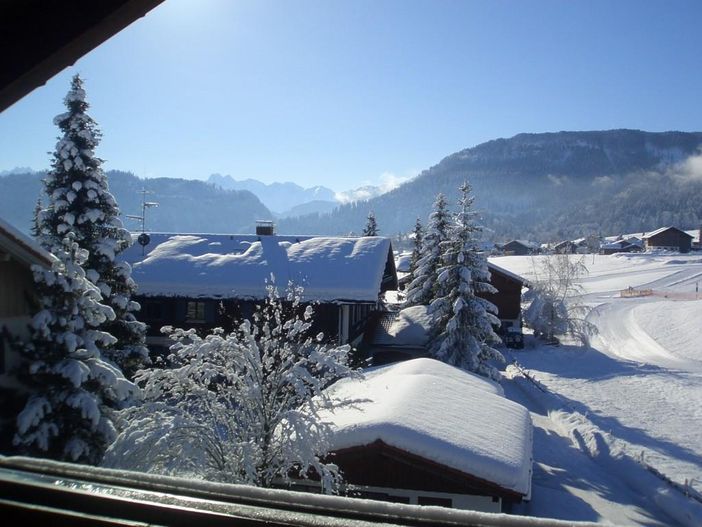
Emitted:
pixel 637 391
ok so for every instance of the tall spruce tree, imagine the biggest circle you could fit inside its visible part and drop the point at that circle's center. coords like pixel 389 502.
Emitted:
pixel 422 289
pixel 463 333
pixel 69 415
pixel 371 228
pixel 79 201
pixel 417 237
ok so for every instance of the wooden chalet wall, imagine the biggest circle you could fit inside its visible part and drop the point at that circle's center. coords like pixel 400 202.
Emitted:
pixel 670 238
pixel 381 465
pixel 205 314
pixel 508 298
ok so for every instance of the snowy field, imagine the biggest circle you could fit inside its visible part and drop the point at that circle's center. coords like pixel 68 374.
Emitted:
pixel 636 391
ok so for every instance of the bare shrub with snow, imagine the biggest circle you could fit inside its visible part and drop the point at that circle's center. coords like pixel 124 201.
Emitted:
pixel 554 305
pixel 239 407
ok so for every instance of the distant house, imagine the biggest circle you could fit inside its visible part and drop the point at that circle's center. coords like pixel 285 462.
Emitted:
pixel 620 246
pixel 426 433
pixel 206 281
pixel 519 248
pixel 669 239
pixel 565 247
pixel 696 236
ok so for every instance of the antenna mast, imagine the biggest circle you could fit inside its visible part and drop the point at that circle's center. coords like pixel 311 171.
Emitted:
pixel 143 238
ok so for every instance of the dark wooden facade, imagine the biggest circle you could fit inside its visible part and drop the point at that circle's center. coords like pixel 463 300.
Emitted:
pixel 380 465
pixel 517 248
pixel 671 238
pixel 205 314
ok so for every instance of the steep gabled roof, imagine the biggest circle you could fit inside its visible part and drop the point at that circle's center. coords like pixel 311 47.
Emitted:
pixel 330 269
pixel 440 413
pixel 22 247
pixel 663 229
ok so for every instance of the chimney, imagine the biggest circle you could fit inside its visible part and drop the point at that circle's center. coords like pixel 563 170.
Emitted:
pixel 265 228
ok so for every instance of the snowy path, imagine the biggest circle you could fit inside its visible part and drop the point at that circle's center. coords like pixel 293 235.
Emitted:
pixel 641 382
pixel 569 485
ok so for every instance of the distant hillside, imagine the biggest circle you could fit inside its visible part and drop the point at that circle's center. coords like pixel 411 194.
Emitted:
pixel 546 187
pixel 184 205
pixel 278 197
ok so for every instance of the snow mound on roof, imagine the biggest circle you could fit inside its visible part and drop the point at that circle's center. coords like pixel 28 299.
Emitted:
pixel 440 413
pixel 402 262
pixel 410 328
pixel 330 269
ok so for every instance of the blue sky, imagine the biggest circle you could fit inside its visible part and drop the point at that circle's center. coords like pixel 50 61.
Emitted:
pixel 349 93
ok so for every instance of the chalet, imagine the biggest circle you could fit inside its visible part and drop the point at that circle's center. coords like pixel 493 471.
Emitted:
pixel 669 239
pixel 565 247
pixel 519 248
pixel 393 444
pixel 17 288
pixel 209 280
pixel 386 340
pixel 620 246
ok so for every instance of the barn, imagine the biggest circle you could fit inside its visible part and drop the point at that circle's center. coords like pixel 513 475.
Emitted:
pixel 668 239
pixel 211 280
pixel 519 248
pixel 393 445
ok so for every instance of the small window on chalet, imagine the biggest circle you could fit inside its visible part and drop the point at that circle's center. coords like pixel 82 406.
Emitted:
pixel 440 502
pixel 195 312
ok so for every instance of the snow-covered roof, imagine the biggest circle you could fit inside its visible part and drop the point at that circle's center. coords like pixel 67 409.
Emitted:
pixel 525 243
pixel 494 268
pixel 410 327
pixel 218 243
pixel 22 246
pixel 206 266
pixel 663 229
pixel 403 261
pixel 440 413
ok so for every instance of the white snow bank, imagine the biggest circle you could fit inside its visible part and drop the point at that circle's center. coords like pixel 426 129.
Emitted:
pixel 674 326
pixel 330 269
pixel 410 328
pixel 440 413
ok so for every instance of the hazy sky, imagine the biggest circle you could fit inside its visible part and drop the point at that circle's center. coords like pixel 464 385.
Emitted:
pixel 348 93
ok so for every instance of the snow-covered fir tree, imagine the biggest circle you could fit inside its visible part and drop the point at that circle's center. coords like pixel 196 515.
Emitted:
pixel 463 333
pixel 36 227
pixel 239 407
pixel 417 242
pixel 79 201
pixel 69 414
pixel 422 289
pixel 371 228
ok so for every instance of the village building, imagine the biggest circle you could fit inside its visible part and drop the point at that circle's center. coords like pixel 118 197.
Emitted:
pixel 519 248
pixel 508 299
pixel 565 247
pixel 668 239
pixel 620 246
pixel 393 444
pixel 211 280
pixel 18 303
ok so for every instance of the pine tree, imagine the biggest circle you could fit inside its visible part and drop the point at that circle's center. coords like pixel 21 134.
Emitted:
pixel 79 201
pixel 36 228
pixel 69 415
pixel 463 333
pixel 371 228
pixel 422 289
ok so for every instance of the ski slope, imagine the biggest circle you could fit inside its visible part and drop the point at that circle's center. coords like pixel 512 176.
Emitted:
pixel 640 382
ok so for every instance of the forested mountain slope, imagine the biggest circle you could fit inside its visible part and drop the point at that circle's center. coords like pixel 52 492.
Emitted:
pixel 184 205
pixel 547 187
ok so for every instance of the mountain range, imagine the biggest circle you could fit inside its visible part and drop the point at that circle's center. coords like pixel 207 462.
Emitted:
pixel 546 187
